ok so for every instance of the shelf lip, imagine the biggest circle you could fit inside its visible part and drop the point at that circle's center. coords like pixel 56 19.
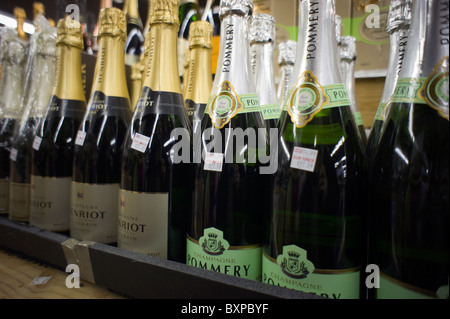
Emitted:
pixel 132 274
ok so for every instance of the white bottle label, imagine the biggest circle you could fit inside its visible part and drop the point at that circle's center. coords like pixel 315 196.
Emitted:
pixel 50 202
pixel 37 143
pixel 304 159
pixel 140 142
pixel 213 162
pixel 94 212
pixel 81 135
pixel 13 154
pixel 143 222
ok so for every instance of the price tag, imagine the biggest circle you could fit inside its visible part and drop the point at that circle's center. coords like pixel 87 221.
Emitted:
pixel 81 135
pixel 37 143
pixel 140 142
pixel 213 162
pixel 13 154
pixel 40 280
pixel 304 159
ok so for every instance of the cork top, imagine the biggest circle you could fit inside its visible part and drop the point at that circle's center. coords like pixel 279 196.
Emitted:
pixel 112 22
pixel 200 34
pixel 262 28
pixel 399 14
pixel 164 11
pixel 19 13
pixel 243 7
pixel 69 33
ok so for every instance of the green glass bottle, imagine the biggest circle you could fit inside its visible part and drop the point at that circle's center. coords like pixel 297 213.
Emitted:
pixel 156 189
pixel 317 235
pixel 227 225
pixel 262 43
pixel 409 211
pixel 188 13
pixel 398 29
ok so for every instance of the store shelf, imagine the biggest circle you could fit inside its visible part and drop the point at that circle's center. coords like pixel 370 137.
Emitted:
pixel 131 274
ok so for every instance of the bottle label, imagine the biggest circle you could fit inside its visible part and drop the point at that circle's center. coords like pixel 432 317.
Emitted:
pixel 140 142
pixel 157 102
pixel 391 288
pixel 432 90
pixel 4 194
pixel 383 110
pixel 102 105
pixel 293 270
pixel 143 222
pixel 213 162
pixel 50 202
pixel 19 208
pixel 194 110
pixel 304 159
pixel 67 108
pixel 225 104
pixel 358 119
pixel 213 252
pixel 308 98
pixel 270 112
pixel 94 212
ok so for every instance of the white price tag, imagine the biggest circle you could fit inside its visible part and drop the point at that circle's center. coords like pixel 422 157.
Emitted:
pixel 81 135
pixel 304 159
pixel 140 142
pixel 13 154
pixel 40 280
pixel 37 143
pixel 213 162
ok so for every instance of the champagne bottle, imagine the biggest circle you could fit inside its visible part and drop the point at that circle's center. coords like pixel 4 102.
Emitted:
pixel 134 44
pixel 398 28
pixel 188 13
pixel 53 144
pixel 40 79
pixel 155 190
pixel 286 61
pixel 99 143
pixel 227 225
pixel 409 208
pixel 212 16
pixel 319 198
pixel 136 83
pixel 20 15
pixel 13 54
pixel 262 42
pixel 199 82
pixel 347 54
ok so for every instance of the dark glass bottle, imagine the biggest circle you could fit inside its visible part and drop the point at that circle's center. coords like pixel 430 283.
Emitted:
pixel 319 198
pixel 188 13
pixel 155 189
pixel 13 55
pixel 226 232
pixel 53 144
pixel 410 173
pixel 262 43
pixel 41 73
pixel 99 143
pixel 398 29
pixel 134 44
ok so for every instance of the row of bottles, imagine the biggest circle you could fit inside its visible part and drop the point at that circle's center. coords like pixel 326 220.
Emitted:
pixel 230 175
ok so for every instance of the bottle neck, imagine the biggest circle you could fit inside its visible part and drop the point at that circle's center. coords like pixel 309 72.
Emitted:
pixel 12 90
pixel 317 47
pixel 132 13
pixel 200 80
pixel 428 41
pixel 234 57
pixel 42 85
pixel 109 76
pixel 263 75
pixel 348 77
pixel 161 71
pixel 69 84
pixel 20 30
pixel 398 41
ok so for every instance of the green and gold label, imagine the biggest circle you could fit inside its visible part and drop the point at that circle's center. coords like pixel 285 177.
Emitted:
pixel 308 98
pixel 431 90
pixel 270 111
pixel 292 269
pixel 213 252
pixel 225 104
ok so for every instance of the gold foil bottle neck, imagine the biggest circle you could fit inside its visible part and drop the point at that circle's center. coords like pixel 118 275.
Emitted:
pixel 200 34
pixel 164 11
pixel 69 33
pixel 38 8
pixel 112 22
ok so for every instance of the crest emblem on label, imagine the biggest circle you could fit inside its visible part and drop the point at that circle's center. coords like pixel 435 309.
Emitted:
pixel 305 100
pixel 213 242
pixel 294 263
pixel 435 89
pixel 224 105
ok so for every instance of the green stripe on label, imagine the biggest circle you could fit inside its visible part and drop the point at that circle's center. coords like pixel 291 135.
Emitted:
pixel 250 103
pixel 407 91
pixel 337 95
pixel 271 111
